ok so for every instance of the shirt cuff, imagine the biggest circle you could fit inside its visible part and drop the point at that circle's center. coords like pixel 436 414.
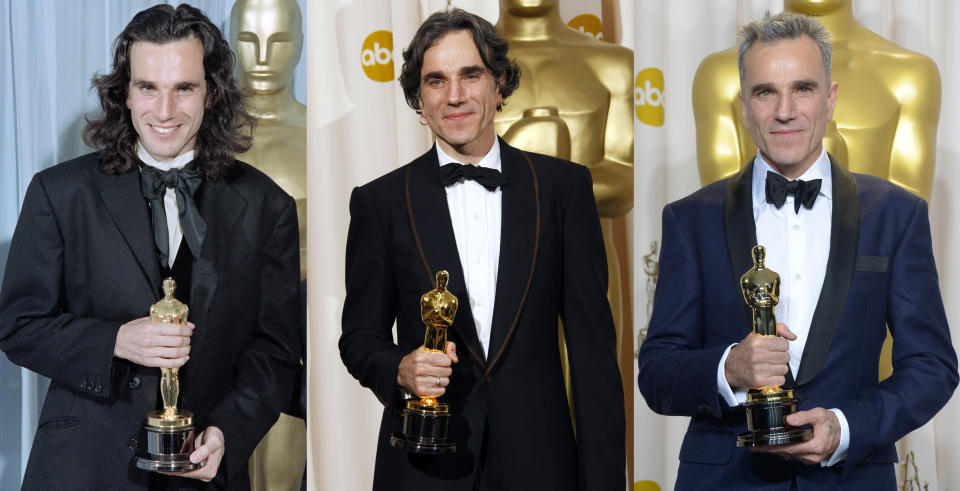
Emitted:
pixel 840 454
pixel 732 396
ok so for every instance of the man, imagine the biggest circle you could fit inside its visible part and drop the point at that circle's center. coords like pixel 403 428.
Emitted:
pixel 521 248
pixel 96 236
pixel 853 253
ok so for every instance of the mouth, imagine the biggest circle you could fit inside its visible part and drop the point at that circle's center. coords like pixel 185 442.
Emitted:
pixel 164 131
pixel 786 133
pixel 262 74
pixel 456 117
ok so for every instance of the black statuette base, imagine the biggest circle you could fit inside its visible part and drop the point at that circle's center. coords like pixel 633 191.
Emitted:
pixel 168 450
pixel 424 432
pixel 766 421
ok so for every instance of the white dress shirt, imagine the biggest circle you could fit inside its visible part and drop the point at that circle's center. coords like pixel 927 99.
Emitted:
pixel 174 232
pixel 476 212
pixel 797 248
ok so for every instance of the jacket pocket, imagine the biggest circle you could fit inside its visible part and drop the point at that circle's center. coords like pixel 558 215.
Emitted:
pixel 874 264
pixel 707 446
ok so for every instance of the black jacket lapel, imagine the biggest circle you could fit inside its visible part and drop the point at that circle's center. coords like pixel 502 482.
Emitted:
pixel 741 233
pixel 844 236
pixel 741 230
pixel 127 207
pixel 519 234
pixel 221 208
pixel 429 214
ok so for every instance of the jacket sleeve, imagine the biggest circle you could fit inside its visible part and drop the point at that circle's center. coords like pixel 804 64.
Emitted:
pixel 591 344
pixel 36 329
pixel 266 369
pixel 366 344
pixel 677 371
pixel 924 361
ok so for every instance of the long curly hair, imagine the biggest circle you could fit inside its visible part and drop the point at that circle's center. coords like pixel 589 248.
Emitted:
pixel 227 126
pixel 492 47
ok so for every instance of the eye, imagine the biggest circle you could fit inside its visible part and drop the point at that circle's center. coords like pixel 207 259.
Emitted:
pixel 436 83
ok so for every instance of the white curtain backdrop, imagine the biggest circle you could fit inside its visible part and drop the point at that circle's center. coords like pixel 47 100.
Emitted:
pixel 673 37
pixel 49 50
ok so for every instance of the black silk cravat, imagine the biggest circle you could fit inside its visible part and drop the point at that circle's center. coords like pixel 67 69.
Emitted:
pixel 485 176
pixel 804 192
pixel 185 181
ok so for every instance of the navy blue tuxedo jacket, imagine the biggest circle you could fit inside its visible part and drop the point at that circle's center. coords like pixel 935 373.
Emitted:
pixel 552 264
pixel 880 272
pixel 83 262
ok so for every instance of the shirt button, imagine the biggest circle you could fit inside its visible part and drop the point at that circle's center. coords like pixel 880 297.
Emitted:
pixel 477 261
pixel 796 226
pixel 476 218
pixel 797 277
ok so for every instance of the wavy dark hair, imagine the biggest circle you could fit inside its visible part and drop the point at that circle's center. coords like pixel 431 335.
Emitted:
pixel 226 128
pixel 492 47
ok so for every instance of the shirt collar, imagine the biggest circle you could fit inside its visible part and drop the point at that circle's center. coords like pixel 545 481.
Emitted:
pixel 491 160
pixel 177 162
pixel 819 170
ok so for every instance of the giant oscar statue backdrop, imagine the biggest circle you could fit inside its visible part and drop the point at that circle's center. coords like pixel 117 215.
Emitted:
pixel 885 122
pixel 575 101
pixel 267 37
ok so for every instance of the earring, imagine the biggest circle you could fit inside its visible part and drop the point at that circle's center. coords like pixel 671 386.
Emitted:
pixel 499 107
pixel 421 119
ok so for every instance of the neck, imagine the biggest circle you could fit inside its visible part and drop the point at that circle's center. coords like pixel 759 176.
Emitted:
pixel 837 17
pixel 270 105
pixel 534 27
pixel 469 153
pixel 792 171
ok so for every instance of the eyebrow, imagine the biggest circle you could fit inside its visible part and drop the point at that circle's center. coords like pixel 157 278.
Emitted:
pixel 809 83
pixel 179 85
pixel 463 71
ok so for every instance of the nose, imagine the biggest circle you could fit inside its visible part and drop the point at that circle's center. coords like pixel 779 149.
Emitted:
pixel 167 106
pixel 785 108
pixel 456 92
pixel 263 50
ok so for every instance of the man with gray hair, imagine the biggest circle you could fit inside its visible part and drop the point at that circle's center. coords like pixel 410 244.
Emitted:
pixel 854 256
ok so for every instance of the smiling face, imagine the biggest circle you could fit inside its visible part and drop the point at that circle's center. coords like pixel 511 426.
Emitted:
pixel 786 101
pixel 459 97
pixel 167 95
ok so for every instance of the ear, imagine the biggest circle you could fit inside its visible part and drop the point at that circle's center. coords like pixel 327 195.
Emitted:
pixel 743 110
pixel 832 99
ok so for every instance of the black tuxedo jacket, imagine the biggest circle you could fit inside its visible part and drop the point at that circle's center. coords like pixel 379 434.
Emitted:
pixel 552 265
pixel 83 262
pixel 880 272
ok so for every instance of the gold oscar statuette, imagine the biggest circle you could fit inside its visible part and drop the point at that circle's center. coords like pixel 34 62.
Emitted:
pixel 426 420
pixel 170 431
pixel 767 407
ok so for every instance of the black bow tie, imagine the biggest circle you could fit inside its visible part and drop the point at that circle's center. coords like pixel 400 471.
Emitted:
pixel 804 192
pixel 485 176
pixel 186 181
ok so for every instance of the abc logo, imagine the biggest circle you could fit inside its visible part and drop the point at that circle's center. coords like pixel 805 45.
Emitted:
pixel 589 24
pixel 648 96
pixel 376 56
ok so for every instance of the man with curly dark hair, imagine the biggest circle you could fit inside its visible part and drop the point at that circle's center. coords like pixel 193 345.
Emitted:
pixel 162 196
pixel 519 235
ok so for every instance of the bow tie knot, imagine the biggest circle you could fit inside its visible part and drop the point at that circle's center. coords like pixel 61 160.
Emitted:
pixel 185 182
pixel 804 192
pixel 485 176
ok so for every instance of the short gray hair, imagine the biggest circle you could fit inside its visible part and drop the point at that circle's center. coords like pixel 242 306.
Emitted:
pixel 785 25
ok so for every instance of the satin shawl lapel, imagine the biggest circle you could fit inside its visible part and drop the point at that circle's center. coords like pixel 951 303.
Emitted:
pixel 429 214
pixel 844 236
pixel 741 230
pixel 126 205
pixel 519 234
pixel 741 233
